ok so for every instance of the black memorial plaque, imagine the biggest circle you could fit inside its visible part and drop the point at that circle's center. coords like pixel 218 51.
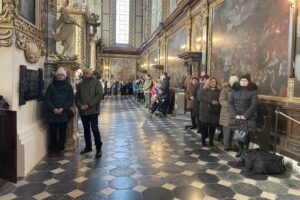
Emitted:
pixel 31 84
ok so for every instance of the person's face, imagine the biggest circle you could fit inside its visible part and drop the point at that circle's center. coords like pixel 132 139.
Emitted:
pixel 213 83
pixel 160 92
pixel 87 73
pixel 194 81
pixel 244 82
pixel 61 77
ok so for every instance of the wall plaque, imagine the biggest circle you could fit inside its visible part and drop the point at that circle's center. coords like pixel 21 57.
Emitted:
pixel 31 84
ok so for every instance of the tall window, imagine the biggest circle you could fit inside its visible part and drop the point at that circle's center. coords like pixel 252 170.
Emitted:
pixel 122 22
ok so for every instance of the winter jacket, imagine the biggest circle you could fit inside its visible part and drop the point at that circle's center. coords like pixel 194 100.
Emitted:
pixel 224 97
pixel 165 85
pixel 209 113
pixel 147 85
pixel 59 94
pixel 243 101
pixel 89 92
pixel 188 94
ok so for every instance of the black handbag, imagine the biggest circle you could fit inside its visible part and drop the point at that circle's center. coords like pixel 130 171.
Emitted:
pixel 241 134
pixel 260 162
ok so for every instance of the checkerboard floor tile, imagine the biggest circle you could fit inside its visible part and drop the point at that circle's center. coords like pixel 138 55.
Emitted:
pixel 145 157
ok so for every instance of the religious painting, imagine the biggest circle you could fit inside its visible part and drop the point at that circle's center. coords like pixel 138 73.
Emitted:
pixel 153 60
pixel 176 69
pixel 251 36
pixel 27 10
pixel 123 69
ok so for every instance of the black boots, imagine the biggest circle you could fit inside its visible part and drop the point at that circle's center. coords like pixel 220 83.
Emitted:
pixel 98 153
pixel 85 150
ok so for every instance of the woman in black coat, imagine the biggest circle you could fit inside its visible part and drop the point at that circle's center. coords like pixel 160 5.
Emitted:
pixel 242 106
pixel 209 110
pixel 59 99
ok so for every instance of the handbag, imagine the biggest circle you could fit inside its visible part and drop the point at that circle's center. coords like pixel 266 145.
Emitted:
pixel 241 134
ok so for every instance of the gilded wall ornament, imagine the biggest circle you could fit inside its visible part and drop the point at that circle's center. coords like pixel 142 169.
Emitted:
pixel 33 49
pixel 5 37
pixel 7 11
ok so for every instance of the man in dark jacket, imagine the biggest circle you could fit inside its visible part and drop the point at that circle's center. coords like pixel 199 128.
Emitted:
pixel 165 86
pixel 59 99
pixel 88 97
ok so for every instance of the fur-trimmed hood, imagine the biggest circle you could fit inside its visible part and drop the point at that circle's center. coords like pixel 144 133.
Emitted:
pixel 250 87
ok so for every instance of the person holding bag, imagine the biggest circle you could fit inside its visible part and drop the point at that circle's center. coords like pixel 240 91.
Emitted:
pixel 242 110
pixel 59 99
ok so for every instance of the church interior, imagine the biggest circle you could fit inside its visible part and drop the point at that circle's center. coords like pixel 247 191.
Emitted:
pixel 145 157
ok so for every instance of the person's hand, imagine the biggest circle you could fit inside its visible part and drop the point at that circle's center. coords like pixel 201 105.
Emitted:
pixel 215 102
pixel 56 111
pixel 237 117
pixel 84 107
pixel 243 117
pixel 61 110
pixel 191 98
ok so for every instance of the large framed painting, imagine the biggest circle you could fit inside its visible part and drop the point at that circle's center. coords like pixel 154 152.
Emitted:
pixel 27 10
pixel 175 66
pixel 251 36
pixel 123 69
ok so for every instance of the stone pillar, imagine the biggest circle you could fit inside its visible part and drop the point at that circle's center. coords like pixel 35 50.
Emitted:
pixel 93 54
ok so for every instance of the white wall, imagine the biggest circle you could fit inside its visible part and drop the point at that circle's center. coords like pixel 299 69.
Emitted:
pixel 32 133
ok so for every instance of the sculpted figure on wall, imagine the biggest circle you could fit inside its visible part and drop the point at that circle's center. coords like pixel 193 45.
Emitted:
pixel 66 26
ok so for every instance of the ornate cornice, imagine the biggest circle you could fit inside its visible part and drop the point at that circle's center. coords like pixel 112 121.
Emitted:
pixel 5 37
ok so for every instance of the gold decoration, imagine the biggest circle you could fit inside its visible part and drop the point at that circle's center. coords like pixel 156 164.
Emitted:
pixel 7 13
pixel 5 37
pixel 33 48
pixel 290 88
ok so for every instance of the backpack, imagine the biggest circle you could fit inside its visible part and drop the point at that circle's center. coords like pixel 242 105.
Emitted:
pixel 260 162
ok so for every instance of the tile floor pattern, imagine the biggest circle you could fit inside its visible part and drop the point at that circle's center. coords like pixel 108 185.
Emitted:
pixel 150 159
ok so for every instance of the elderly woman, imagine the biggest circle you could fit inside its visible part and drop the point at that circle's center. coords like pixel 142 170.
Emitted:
pixel 209 110
pixel 58 100
pixel 243 106
pixel 224 116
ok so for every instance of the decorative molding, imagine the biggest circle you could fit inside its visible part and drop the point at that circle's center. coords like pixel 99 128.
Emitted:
pixel 132 18
pixel 201 9
pixel 5 37
pixel 8 9
pixel 33 48
pixel 290 88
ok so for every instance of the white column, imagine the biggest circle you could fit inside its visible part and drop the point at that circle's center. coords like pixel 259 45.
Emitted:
pixel 93 55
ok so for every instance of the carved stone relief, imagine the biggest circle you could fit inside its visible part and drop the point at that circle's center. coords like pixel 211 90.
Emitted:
pixel 33 49
pixel 5 37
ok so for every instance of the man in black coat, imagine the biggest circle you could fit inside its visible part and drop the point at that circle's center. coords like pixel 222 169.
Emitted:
pixel 165 86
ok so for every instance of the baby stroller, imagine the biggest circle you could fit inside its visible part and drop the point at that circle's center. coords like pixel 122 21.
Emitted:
pixel 158 105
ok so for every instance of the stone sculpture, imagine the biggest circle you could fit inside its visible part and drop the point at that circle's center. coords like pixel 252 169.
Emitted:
pixel 67 27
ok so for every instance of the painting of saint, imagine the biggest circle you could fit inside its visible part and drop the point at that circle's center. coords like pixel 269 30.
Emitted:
pixel 123 70
pixel 251 36
pixel 27 10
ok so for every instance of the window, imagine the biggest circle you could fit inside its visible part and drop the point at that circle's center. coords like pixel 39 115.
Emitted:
pixel 122 21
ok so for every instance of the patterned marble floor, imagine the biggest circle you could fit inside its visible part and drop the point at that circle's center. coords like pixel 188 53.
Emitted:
pixel 150 159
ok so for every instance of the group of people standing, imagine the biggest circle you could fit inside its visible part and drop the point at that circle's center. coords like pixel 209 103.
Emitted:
pixel 59 100
pixel 157 93
pixel 212 107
